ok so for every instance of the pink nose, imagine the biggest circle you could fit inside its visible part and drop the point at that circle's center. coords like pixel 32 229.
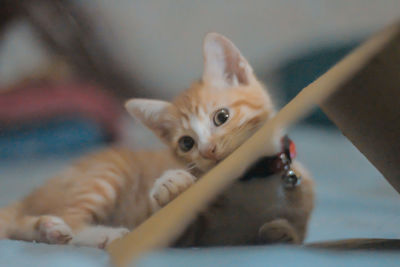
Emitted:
pixel 209 151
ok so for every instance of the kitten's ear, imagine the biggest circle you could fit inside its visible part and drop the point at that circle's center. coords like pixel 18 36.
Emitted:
pixel 155 114
pixel 224 66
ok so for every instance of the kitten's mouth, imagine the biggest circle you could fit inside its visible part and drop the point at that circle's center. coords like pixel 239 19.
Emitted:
pixel 208 165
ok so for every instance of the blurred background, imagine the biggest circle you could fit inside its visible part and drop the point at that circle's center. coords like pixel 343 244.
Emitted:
pixel 66 66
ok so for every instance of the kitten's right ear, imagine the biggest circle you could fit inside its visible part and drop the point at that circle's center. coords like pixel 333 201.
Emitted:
pixel 224 65
pixel 155 114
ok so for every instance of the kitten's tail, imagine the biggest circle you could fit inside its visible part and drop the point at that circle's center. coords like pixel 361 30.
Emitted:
pixel 8 216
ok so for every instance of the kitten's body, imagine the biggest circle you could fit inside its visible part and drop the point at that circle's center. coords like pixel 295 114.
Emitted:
pixel 104 194
pixel 110 187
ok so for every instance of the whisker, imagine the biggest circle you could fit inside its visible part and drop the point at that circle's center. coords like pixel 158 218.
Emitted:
pixel 191 166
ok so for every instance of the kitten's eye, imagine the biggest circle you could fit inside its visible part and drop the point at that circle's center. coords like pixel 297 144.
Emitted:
pixel 186 143
pixel 221 116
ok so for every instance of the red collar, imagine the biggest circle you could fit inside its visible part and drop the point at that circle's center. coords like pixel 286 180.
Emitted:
pixel 266 166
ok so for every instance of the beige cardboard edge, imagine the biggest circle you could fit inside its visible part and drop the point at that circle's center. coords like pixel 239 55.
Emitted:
pixel 167 224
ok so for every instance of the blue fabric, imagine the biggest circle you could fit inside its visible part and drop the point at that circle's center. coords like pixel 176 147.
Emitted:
pixel 18 253
pixel 352 200
pixel 68 135
pixel 267 256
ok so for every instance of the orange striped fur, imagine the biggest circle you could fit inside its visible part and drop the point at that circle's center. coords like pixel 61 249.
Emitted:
pixel 105 194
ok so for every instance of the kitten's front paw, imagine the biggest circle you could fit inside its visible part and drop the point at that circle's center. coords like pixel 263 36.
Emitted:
pixel 278 231
pixel 169 186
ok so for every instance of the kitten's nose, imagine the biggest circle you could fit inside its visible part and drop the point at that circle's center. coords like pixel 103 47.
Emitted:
pixel 209 152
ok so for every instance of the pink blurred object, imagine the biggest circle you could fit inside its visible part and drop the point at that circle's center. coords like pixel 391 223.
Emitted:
pixel 41 101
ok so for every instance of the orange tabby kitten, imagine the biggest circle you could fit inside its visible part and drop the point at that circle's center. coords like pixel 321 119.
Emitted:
pixel 106 194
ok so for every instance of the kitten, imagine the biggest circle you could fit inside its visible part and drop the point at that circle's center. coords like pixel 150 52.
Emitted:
pixel 104 194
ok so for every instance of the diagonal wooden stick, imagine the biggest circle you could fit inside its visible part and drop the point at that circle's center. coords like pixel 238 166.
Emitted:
pixel 165 226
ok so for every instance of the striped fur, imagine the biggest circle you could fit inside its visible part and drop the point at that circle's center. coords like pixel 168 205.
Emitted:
pixel 104 194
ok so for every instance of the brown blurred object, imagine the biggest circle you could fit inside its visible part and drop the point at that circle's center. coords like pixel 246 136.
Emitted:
pixel 367 110
pixel 9 10
pixel 69 33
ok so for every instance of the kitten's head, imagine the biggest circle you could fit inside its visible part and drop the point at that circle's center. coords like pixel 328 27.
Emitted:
pixel 213 117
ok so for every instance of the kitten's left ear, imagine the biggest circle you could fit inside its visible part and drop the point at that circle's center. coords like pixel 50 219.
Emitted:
pixel 224 65
pixel 155 114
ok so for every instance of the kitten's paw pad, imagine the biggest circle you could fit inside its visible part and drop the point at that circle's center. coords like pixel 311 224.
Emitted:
pixel 54 230
pixel 98 236
pixel 170 185
pixel 278 231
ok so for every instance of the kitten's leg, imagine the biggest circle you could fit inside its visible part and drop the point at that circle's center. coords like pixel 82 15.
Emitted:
pixel 92 206
pixel 53 230
pixel 46 229
pixel 278 231
pixel 94 202
pixel 98 236
pixel 169 186
pixel 90 203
